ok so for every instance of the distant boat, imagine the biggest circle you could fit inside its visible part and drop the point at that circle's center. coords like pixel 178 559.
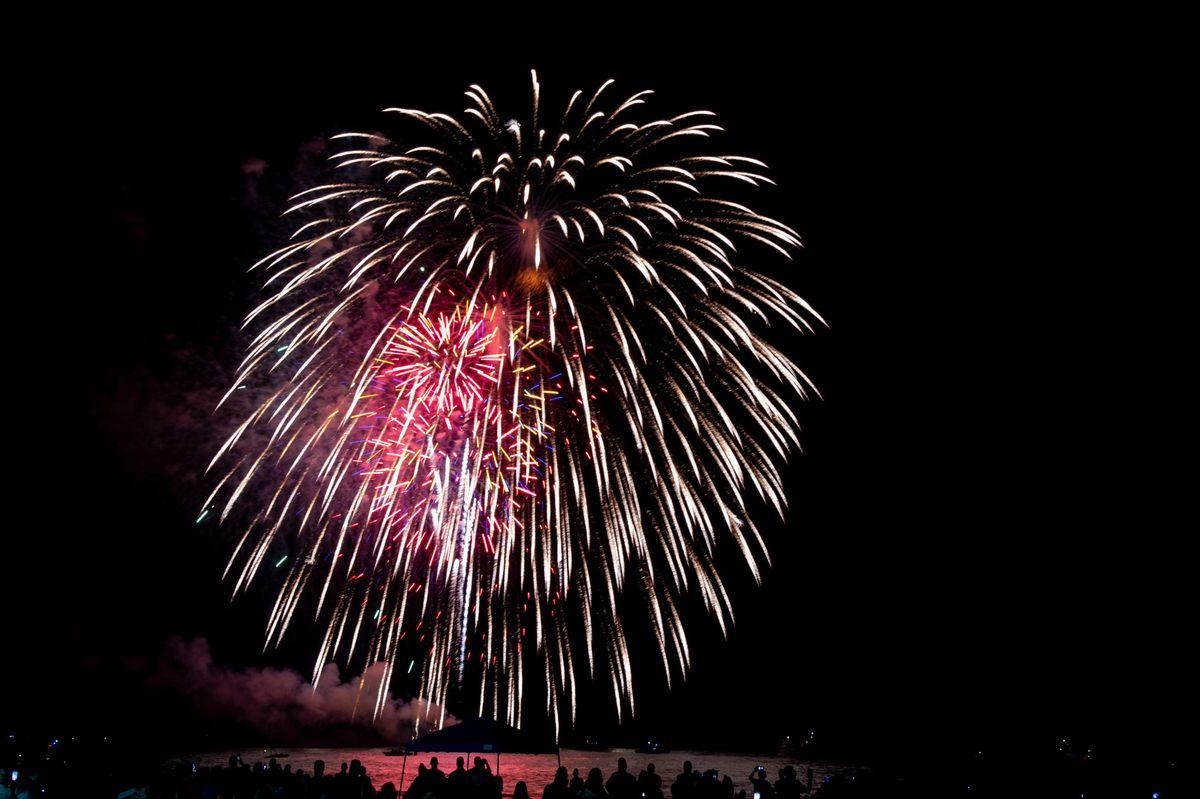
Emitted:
pixel 394 752
pixel 798 747
pixel 591 745
pixel 653 747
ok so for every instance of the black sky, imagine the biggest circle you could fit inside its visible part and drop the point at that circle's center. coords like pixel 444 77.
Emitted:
pixel 968 555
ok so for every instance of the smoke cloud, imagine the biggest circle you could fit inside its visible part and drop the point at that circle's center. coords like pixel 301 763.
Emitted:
pixel 280 704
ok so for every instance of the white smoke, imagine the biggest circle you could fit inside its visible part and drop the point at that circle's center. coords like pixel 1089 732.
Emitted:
pixel 280 703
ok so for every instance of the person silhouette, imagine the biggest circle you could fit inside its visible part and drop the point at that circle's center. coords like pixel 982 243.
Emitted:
pixel 760 783
pixel 593 786
pixel 787 786
pixel 456 781
pixel 559 788
pixel 621 784
pixel 418 788
pixel 685 784
pixel 650 784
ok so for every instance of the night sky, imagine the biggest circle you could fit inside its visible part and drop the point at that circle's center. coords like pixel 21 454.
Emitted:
pixel 969 556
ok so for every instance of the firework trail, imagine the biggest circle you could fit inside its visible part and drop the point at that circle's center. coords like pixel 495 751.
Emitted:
pixel 510 371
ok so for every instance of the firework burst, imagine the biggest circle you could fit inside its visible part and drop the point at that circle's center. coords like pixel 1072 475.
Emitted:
pixel 507 372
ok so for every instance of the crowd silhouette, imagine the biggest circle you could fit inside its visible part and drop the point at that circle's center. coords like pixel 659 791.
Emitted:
pixel 104 773
pixel 477 782
pixel 271 780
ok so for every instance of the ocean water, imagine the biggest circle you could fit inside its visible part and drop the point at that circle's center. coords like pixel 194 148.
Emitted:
pixel 536 770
